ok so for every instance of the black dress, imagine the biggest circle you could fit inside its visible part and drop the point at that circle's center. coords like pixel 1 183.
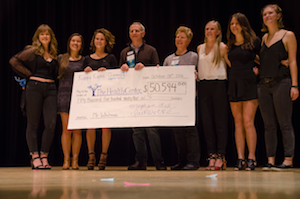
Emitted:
pixel 65 85
pixel 242 82
pixel 109 62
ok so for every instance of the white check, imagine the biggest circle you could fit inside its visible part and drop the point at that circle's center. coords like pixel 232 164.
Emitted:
pixel 163 96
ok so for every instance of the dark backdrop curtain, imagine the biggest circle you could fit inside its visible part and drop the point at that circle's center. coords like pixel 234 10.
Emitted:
pixel 19 20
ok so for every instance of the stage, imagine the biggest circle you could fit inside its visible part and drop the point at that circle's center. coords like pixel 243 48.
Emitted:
pixel 117 182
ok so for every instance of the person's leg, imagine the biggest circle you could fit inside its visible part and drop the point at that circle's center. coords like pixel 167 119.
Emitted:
pixel 76 145
pixel 106 137
pixel 249 110
pixel 265 100
pixel 283 108
pixel 50 117
pixel 237 112
pixel 206 110
pixel 155 147
pixel 66 140
pixel 139 140
pixel 220 108
pixel 91 139
pixel 180 140
pixel 193 146
pixel 34 100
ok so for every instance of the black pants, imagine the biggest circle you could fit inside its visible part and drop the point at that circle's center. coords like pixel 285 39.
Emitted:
pixel 275 105
pixel 40 99
pixel 213 108
pixel 188 146
pixel 139 139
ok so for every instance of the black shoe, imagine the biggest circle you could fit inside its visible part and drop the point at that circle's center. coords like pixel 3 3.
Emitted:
pixel 138 166
pixel 160 166
pixel 283 167
pixel 268 167
pixel 240 165
pixel 190 167
pixel 250 165
pixel 177 167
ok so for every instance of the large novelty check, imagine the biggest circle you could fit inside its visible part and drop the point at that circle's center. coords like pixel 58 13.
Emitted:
pixel 163 96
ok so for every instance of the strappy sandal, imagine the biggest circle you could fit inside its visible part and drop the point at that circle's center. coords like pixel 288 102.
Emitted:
pixel 92 161
pixel 66 165
pixel 212 156
pixel 102 161
pixel 47 166
pixel 35 167
pixel 224 162
pixel 75 165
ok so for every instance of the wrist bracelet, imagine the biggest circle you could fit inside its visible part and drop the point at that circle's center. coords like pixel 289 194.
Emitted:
pixel 294 86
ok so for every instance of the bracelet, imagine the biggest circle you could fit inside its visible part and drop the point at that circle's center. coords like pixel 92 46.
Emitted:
pixel 294 86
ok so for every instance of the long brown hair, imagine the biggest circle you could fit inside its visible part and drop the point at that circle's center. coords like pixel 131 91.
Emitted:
pixel 64 61
pixel 216 49
pixel 109 37
pixel 278 10
pixel 247 32
pixel 39 49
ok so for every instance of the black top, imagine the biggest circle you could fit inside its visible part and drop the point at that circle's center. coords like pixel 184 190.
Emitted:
pixel 242 61
pixel 270 58
pixel 26 63
pixel 109 62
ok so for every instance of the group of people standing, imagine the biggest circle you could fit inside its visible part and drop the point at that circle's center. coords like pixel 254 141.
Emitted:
pixel 262 72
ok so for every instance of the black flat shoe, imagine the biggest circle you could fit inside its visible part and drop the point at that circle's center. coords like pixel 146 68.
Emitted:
pixel 190 167
pixel 283 167
pixel 268 167
pixel 240 165
pixel 178 166
pixel 250 165
pixel 138 166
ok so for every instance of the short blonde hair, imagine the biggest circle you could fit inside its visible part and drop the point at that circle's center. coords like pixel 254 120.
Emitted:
pixel 186 30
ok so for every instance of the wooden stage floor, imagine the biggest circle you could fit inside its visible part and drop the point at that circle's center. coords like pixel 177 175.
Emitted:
pixel 117 182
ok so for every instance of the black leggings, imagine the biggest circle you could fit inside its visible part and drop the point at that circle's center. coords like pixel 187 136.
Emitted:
pixel 40 99
pixel 213 108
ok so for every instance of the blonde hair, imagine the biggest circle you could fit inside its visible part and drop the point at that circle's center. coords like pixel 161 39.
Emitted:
pixel 64 61
pixel 278 10
pixel 186 30
pixel 39 49
pixel 109 38
pixel 216 49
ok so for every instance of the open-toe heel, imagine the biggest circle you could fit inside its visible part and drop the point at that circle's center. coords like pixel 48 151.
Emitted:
pixel 102 161
pixel 92 161
pixel 47 166
pixel 224 162
pixel 250 165
pixel 211 162
pixel 240 165
pixel 36 167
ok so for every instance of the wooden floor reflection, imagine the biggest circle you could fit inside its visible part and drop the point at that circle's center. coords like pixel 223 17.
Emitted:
pixel 117 182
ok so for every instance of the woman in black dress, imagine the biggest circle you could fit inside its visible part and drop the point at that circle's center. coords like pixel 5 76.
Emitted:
pixel 69 63
pixel 101 45
pixel 243 48
pixel 38 64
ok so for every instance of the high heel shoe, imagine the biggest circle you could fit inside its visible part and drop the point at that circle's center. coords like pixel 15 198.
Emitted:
pixel 224 162
pixel 250 165
pixel 35 167
pixel 92 161
pixel 240 165
pixel 75 165
pixel 211 162
pixel 102 161
pixel 47 166
pixel 66 165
